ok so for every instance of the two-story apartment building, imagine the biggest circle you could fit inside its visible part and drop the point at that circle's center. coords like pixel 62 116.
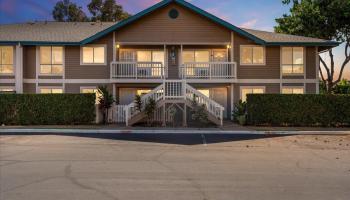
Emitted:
pixel 169 50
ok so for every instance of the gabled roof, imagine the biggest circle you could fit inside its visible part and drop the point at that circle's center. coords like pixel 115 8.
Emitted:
pixel 80 33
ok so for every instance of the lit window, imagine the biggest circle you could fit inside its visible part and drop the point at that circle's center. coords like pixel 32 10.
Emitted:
pixel 51 60
pixel 150 56
pixel 142 92
pixel 206 92
pixel 195 56
pixel 292 90
pixel 90 91
pixel 292 60
pixel 252 55
pixel 51 90
pixel 251 90
pixel 7 90
pixel 94 55
pixel 6 60
pixel 219 55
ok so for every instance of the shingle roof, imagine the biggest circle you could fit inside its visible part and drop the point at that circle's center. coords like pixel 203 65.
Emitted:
pixel 69 32
pixel 271 37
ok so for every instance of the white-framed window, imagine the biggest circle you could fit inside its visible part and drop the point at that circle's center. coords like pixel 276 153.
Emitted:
pixel 292 60
pixel 219 55
pixel 50 90
pixel 51 60
pixel 93 55
pixel 195 56
pixel 292 90
pixel 206 92
pixel 5 90
pixel 6 60
pixel 245 90
pixel 150 56
pixel 252 55
pixel 88 90
pixel 142 92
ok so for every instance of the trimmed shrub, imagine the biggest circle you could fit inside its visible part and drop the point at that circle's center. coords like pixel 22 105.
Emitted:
pixel 47 109
pixel 298 110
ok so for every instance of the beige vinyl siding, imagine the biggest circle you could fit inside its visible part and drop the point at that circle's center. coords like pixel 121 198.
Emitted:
pixel 50 77
pixel 50 85
pixel 76 71
pixel 29 62
pixel 6 84
pixel 187 28
pixel 29 88
pixel 271 70
pixel 7 77
pixel 310 88
pixel 311 63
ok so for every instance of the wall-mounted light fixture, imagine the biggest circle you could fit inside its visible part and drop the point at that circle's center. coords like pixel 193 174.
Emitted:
pixel 228 46
pixel 118 46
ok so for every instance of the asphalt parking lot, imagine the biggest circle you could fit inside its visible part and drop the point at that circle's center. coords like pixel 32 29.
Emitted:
pixel 171 166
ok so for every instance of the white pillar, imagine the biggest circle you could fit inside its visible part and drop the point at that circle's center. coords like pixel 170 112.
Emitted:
pixel 232 99
pixel 165 67
pixel 19 69
pixel 114 92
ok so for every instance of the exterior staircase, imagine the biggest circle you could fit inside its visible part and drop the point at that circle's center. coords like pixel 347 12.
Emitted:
pixel 174 91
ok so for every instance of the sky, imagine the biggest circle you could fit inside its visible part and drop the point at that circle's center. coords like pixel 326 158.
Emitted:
pixel 255 14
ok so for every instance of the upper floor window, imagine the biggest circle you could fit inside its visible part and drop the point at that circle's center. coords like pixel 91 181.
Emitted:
pixel 150 56
pixel 252 55
pixel 94 55
pixel 195 56
pixel 48 90
pixel 6 60
pixel 292 90
pixel 51 60
pixel 251 90
pixel 292 60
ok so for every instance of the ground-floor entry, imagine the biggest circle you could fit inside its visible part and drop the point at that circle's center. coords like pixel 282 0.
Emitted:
pixel 218 94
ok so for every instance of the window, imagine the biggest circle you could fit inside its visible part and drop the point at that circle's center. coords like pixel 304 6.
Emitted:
pixel 7 90
pixel 292 90
pixel 94 55
pixel 195 56
pixel 150 56
pixel 88 90
pixel 142 92
pixel 51 60
pixel 51 90
pixel 292 60
pixel 206 92
pixel 219 55
pixel 252 55
pixel 251 90
pixel 6 60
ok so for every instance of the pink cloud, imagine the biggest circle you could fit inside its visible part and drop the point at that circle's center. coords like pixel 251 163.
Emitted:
pixel 249 24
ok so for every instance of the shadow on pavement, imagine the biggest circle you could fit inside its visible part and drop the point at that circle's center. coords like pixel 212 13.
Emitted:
pixel 165 138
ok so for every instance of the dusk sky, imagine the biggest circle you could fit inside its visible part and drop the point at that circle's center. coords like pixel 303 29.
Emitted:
pixel 256 14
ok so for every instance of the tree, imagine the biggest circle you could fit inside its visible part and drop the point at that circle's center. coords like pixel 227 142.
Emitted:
pixel 106 11
pixel 106 100
pixel 325 19
pixel 66 11
pixel 150 108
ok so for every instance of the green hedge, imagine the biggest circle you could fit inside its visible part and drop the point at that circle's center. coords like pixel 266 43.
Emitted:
pixel 47 109
pixel 298 110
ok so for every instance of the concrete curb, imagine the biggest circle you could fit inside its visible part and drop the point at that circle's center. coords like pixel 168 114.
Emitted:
pixel 157 131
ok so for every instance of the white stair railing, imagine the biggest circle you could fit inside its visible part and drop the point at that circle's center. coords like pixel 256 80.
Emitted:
pixel 213 107
pixel 175 89
pixel 131 109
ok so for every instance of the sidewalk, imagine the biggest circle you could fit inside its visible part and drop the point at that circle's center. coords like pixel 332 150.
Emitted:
pixel 228 128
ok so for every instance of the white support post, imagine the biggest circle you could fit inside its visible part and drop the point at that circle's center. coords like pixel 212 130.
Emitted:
pixel 114 92
pixel 232 99
pixel 181 69
pixel 165 67
pixel 19 69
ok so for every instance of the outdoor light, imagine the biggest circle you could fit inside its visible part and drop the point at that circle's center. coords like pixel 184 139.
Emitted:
pixel 118 46
pixel 228 46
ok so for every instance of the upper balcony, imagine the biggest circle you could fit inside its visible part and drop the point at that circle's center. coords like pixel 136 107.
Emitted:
pixel 156 72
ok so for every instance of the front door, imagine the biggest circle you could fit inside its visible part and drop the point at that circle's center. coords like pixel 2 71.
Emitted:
pixel 173 62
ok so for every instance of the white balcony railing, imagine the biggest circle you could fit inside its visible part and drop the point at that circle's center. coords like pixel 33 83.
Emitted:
pixel 137 70
pixel 208 70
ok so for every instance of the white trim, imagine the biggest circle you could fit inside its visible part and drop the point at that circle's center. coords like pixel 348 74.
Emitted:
pixel 250 87
pixel 276 81
pixel 174 43
pixel 317 72
pixel 93 64
pixel 19 69
pixel 10 80
pixel 252 64
pixel 67 81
